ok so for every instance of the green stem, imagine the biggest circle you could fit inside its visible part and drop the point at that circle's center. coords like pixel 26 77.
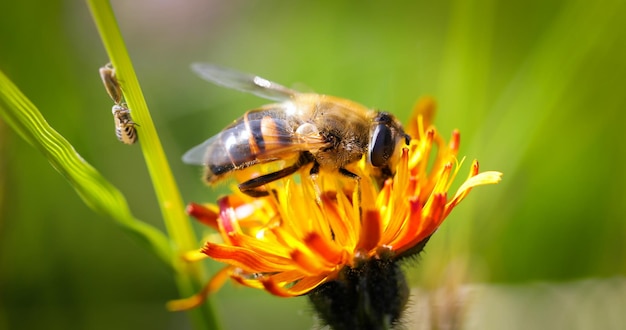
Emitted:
pixel 189 276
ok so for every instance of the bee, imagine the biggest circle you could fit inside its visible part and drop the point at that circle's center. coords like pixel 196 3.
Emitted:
pixel 303 128
pixel 124 124
pixel 112 86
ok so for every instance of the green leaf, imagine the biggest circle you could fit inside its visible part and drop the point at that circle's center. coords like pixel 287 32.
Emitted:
pixel 98 193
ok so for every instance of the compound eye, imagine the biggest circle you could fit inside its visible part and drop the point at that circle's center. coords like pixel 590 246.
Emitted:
pixel 382 145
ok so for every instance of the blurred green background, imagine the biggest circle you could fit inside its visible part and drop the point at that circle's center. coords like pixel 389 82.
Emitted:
pixel 536 88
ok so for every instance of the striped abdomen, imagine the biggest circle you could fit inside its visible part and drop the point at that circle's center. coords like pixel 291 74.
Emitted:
pixel 124 125
pixel 259 136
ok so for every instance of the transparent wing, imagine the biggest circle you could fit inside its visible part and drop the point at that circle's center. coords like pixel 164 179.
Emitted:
pixel 251 140
pixel 197 154
pixel 244 82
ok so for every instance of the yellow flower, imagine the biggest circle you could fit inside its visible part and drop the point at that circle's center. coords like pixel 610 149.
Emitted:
pixel 311 232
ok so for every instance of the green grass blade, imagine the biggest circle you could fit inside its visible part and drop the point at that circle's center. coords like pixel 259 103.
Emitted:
pixel 99 194
pixel 167 192
pixel 189 277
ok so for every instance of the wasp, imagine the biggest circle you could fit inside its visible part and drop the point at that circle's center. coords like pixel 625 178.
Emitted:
pixel 301 129
pixel 124 124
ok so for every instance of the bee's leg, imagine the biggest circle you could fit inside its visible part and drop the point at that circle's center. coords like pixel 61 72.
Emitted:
pixel 349 174
pixel 253 187
pixel 315 170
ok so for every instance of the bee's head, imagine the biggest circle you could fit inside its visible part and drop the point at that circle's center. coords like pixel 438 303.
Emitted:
pixel 386 140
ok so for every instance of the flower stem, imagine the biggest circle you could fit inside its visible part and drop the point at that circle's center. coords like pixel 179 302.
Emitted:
pixel 189 276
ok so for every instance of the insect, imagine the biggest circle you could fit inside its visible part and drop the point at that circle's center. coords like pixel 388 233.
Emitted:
pixel 303 128
pixel 112 86
pixel 124 124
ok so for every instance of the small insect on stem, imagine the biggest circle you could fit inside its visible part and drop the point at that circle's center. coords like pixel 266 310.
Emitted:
pixel 124 124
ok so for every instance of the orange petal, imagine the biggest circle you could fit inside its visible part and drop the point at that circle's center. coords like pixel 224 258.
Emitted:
pixel 265 245
pixel 489 177
pixel 428 222
pixel 413 224
pixel 309 263
pixel 336 217
pixel 228 216
pixel 371 230
pixel 247 259
pixel 205 214
pixel 251 283
pixel 216 282
pixel 324 248
pixel 288 276
pixel 304 286
pixel 433 218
